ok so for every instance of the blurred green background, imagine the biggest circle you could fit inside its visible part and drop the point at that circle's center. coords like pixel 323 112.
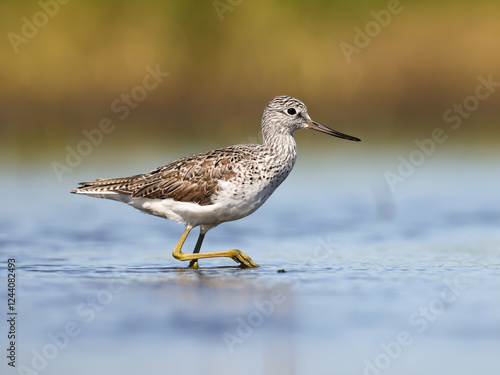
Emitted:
pixel 226 59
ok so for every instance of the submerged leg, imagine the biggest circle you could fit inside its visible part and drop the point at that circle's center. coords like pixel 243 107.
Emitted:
pixel 235 254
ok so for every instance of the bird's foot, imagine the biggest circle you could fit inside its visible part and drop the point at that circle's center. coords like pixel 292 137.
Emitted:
pixel 193 264
pixel 244 260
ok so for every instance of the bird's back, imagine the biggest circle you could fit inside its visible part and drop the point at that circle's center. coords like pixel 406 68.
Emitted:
pixel 193 178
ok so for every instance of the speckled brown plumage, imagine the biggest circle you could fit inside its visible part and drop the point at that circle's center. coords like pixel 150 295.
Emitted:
pixel 190 179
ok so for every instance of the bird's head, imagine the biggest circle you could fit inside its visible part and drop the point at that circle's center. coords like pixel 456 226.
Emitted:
pixel 287 114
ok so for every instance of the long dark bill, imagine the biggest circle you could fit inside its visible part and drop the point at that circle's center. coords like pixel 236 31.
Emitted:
pixel 325 129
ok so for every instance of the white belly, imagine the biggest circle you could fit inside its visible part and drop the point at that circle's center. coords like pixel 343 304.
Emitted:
pixel 229 204
pixel 233 201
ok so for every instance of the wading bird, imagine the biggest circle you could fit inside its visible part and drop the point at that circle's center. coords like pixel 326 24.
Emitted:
pixel 222 185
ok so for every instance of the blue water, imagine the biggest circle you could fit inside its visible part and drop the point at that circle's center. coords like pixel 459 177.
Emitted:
pixel 374 281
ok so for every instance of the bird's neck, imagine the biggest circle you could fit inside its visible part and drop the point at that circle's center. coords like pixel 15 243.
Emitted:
pixel 282 144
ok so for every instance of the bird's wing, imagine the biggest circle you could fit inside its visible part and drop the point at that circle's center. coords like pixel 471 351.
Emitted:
pixel 190 179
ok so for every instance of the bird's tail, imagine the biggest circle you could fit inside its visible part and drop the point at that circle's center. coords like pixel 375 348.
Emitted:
pixel 105 188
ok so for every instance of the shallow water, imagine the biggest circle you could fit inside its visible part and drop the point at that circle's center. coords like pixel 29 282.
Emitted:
pixel 375 282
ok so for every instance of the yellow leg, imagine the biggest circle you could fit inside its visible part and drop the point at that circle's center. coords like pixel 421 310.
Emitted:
pixel 235 254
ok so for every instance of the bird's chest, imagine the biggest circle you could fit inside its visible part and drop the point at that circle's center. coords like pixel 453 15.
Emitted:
pixel 255 184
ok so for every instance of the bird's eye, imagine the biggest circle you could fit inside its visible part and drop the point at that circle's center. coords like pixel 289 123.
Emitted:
pixel 291 111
